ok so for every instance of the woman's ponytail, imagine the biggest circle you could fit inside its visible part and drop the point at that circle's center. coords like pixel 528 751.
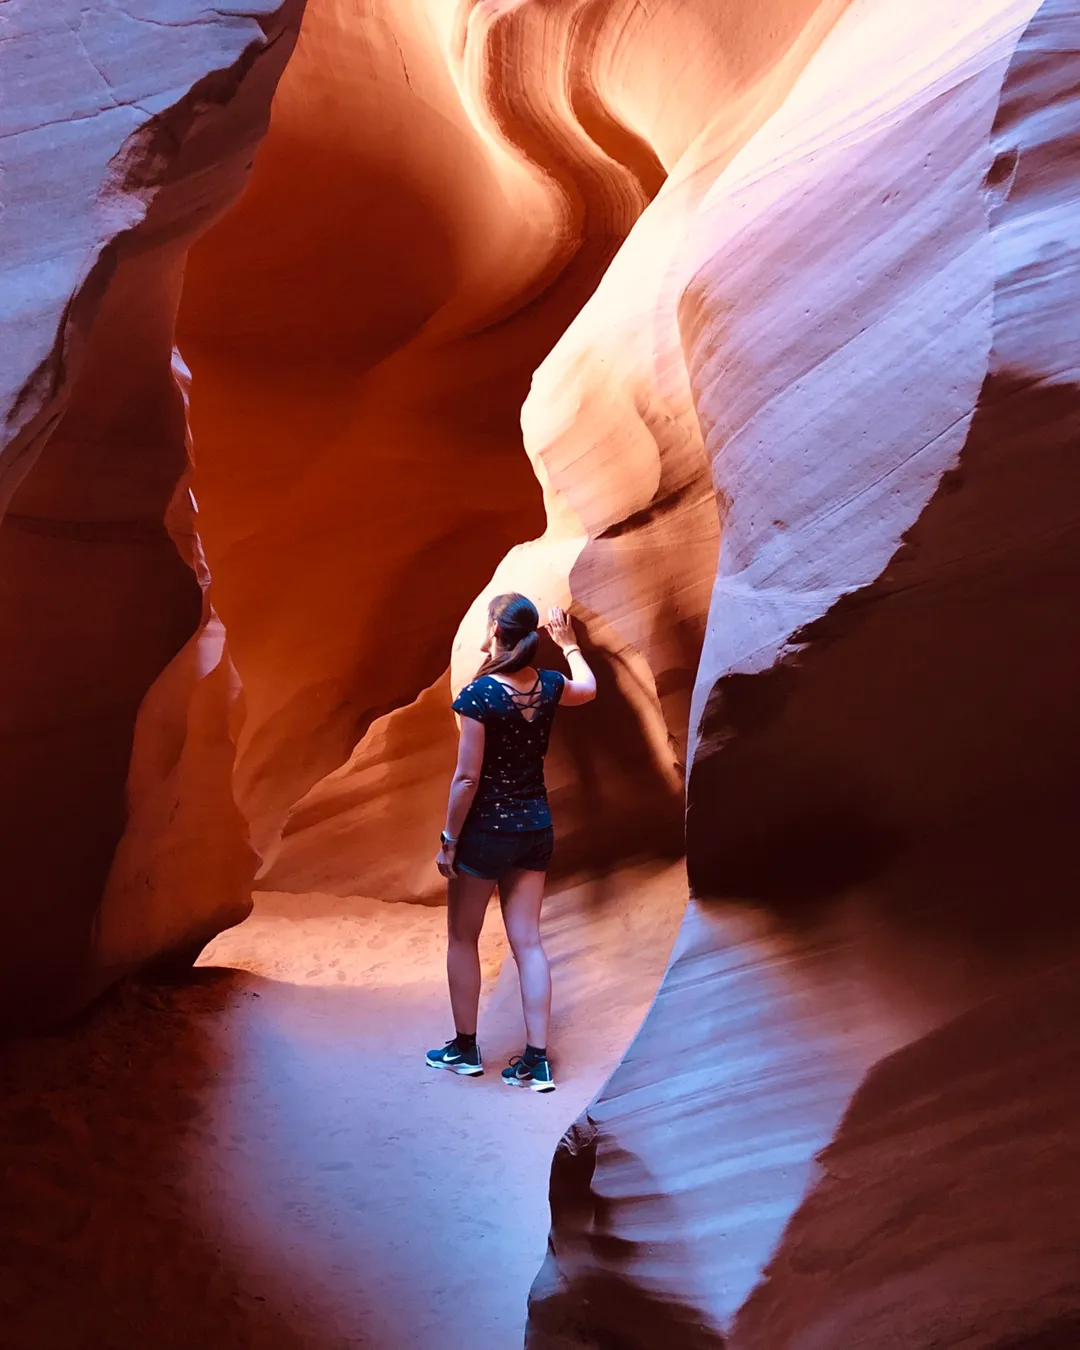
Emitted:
pixel 516 621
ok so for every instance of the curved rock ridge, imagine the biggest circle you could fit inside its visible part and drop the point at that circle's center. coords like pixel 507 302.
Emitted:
pixel 184 867
pixel 749 333
pixel 127 131
pixel 376 345
pixel 946 1209
pixel 517 152
pixel 882 731
pixel 577 101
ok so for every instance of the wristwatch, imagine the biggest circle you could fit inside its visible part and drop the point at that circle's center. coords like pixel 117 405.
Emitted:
pixel 445 840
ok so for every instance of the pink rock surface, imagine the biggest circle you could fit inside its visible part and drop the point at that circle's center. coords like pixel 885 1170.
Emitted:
pixel 881 735
pixel 945 1208
pixel 126 132
pixel 749 333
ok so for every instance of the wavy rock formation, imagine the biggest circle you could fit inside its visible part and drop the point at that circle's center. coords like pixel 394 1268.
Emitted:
pixel 946 1210
pixel 496 165
pixel 127 132
pixel 376 345
pixel 183 869
pixel 883 730
pixel 578 101
pixel 750 333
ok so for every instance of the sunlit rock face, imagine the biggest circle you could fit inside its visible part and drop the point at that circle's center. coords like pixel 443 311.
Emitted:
pixel 127 133
pixel 876 334
pixel 438 196
pixel 750 333
pixel 470 173
pixel 537 136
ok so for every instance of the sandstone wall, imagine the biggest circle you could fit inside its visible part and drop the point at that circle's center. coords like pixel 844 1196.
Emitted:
pixel 127 132
pixel 437 197
pixel 748 333
pixel 569 111
pixel 880 357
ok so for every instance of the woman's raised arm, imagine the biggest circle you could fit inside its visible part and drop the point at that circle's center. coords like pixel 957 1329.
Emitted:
pixel 581 686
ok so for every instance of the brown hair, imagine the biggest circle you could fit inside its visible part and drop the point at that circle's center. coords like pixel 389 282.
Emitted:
pixel 516 621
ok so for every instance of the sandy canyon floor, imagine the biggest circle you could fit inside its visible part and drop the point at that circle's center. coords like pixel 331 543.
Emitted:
pixel 258 1155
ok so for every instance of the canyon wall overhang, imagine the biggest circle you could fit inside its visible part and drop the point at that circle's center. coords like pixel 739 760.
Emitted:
pixel 127 132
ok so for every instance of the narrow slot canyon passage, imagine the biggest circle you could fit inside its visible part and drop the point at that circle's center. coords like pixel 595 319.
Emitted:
pixel 745 332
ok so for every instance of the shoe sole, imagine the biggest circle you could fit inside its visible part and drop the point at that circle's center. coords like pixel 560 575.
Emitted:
pixel 530 1083
pixel 466 1070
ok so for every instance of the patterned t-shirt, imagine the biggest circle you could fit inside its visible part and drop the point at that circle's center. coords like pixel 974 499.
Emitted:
pixel 511 795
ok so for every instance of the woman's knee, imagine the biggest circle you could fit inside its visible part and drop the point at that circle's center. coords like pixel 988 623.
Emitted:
pixel 525 943
pixel 460 933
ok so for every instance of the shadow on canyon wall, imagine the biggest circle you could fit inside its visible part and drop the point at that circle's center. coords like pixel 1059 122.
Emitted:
pixel 947 1208
pixel 94 603
pixel 923 736
pixel 611 804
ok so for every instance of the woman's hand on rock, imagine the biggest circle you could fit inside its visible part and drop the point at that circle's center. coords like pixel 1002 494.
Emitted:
pixel 559 626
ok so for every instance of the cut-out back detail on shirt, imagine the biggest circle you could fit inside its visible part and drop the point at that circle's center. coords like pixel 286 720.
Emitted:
pixel 526 700
pixel 511 793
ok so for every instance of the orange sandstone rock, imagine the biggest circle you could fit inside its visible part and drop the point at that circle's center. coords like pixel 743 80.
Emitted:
pixel 183 868
pixel 127 132
pixel 744 331
pixel 572 111
pixel 359 372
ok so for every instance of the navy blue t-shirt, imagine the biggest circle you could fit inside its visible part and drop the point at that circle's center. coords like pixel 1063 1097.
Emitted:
pixel 511 794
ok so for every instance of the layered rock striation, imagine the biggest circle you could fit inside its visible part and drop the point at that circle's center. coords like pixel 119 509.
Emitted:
pixel 492 169
pixel 749 335
pixel 882 730
pixel 127 132
pixel 577 103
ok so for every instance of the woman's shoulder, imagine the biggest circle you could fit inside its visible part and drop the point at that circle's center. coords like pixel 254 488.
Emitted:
pixel 474 698
pixel 552 680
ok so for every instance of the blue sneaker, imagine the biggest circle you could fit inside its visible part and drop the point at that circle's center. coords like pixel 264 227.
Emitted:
pixel 537 1076
pixel 457 1058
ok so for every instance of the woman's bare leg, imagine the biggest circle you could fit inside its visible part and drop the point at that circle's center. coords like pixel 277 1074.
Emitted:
pixel 467 901
pixel 521 894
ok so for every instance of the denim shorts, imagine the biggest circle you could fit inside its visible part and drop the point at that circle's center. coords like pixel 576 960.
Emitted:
pixel 488 854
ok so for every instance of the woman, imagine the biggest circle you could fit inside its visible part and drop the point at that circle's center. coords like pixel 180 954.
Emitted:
pixel 498 827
